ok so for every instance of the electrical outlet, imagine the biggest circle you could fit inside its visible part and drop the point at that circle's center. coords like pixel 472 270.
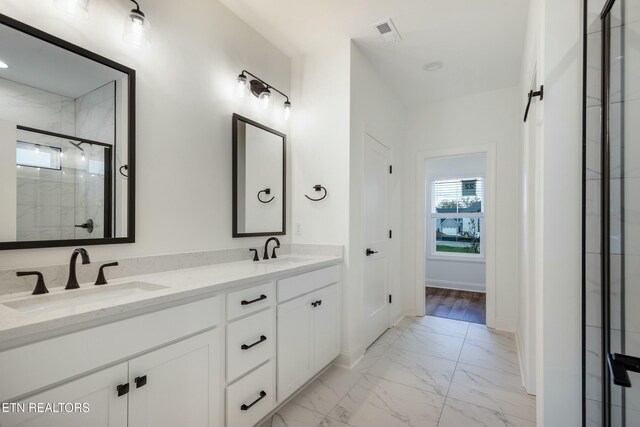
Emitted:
pixel 298 228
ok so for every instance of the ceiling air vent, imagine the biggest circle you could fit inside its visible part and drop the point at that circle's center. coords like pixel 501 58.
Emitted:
pixel 388 31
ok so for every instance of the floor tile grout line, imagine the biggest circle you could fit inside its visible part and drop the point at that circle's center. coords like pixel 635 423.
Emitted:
pixel 490 409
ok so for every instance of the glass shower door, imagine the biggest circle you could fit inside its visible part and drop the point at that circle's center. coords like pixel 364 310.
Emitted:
pixel 621 212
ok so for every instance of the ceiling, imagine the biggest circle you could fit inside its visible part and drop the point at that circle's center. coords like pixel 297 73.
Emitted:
pixel 479 41
pixel 36 63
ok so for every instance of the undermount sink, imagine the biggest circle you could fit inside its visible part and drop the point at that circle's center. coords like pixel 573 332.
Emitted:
pixel 74 298
pixel 286 260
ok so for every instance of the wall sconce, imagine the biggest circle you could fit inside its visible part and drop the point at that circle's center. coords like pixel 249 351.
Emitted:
pixel 78 8
pixel 136 27
pixel 261 90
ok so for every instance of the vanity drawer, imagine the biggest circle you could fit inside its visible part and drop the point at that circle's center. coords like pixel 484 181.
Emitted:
pixel 292 287
pixel 250 342
pixel 250 300
pixel 251 398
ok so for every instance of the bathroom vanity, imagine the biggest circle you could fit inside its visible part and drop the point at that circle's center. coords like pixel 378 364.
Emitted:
pixel 220 345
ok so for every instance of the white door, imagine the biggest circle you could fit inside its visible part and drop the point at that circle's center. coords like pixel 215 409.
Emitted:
pixel 326 328
pixel 98 391
pixel 177 385
pixel 295 345
pixel 376 238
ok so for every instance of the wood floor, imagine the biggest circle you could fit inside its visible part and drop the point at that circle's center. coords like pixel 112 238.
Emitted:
pixel 458 305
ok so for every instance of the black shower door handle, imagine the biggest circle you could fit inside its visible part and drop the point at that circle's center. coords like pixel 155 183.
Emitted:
pixel 619 365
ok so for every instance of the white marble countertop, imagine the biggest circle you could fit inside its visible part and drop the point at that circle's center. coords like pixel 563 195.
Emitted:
pixel 19 328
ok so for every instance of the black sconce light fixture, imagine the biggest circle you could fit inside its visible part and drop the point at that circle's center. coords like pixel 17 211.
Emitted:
pixel 136 27
pixel 261 90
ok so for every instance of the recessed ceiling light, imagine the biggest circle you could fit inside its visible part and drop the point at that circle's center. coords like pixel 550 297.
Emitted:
pixel 432 66
pixel 3 64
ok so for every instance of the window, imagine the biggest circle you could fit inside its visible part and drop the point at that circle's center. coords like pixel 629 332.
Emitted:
pixel 456 217
pixel 38 156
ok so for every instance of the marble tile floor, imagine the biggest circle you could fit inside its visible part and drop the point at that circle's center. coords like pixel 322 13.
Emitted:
pixel 425 372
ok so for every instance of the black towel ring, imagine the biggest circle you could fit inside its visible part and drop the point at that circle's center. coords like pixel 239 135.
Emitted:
pixel 318 188
pixel 265 191
pixel 125 167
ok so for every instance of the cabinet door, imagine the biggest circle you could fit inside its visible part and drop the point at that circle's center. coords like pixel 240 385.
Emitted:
pixel 295 343
pixel 178 385
pixel 96 392
pixel 327 330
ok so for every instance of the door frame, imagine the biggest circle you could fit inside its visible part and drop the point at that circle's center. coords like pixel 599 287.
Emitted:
pixel 367 133
pixel 489 150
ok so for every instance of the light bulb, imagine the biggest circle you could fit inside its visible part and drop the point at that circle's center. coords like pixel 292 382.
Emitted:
pixel 3 64
pixel 265 98
pixel 79 8
pixel 136 29
pixel 287 110
pixel 242 85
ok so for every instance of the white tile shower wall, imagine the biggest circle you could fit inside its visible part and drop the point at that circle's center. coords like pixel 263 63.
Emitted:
pixel 96 115
pixel 56 275
pixel 32 107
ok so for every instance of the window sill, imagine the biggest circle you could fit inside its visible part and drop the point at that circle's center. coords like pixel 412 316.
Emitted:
pixel 453 258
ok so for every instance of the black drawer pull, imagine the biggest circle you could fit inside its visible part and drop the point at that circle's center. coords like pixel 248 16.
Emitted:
pixel 123 389
pixel 247 347
pixel 316 303
pixel 245 302
pixel 245 407
pixel 141 381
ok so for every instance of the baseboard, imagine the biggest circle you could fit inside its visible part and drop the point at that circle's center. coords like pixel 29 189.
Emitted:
pixel 349 360
pixel 505 325
pixel 458 286
pixel 520 360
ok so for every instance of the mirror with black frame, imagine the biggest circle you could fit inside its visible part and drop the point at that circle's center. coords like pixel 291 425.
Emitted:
pixel 66 143
pixel 259 179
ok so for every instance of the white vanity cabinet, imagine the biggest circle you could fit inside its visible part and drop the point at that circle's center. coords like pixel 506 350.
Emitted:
pixel 98 390
pixel 251 352
pixel 226 359
pixel 174 385
pixel 174 380
pixel 308 327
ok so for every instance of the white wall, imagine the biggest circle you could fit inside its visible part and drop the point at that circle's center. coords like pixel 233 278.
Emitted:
pixel 558 328
pixel 452 273
pixel 186 94
pixel 8 189
pixel 375 110
pixel 489 118
pixel 263 169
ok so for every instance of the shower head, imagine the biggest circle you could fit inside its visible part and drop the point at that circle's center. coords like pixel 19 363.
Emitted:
pixel 77 145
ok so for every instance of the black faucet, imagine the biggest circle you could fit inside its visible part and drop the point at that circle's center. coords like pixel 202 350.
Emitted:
pixel 40 288
pixel 72 283
pixel 266 247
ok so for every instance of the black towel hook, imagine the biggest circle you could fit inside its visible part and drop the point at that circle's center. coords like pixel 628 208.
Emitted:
pixel 318 188
pixel 125 167
pixel 531 94
pixel 265 191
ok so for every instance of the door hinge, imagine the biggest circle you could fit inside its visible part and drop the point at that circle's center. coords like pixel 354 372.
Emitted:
pixel 390 169
pixel 390 298
pixel 391 234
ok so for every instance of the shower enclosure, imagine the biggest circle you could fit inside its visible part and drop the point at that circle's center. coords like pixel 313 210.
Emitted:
pixel 611 309
pixel 64 188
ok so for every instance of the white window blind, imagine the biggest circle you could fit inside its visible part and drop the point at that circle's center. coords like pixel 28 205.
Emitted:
pixel 457 196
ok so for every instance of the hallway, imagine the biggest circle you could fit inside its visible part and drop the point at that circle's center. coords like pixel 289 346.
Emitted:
pixel 424 372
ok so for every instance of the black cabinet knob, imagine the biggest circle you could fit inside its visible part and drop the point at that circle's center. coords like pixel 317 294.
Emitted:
pixel 122 389
pixel 371 252
pixel 141 381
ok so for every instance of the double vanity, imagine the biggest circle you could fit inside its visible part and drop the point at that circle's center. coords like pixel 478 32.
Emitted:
pixel 219 345
pixel 195 342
